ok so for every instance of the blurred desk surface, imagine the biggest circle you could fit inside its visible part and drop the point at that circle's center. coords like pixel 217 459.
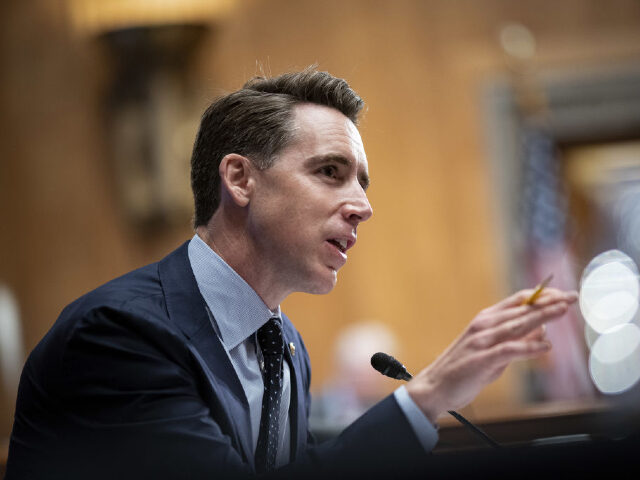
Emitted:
pixel 551 440
pixel 551 422
pixel 557 422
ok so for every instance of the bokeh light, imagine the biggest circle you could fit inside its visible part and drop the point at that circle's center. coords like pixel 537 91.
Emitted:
pixel 614 362
pixel 609 291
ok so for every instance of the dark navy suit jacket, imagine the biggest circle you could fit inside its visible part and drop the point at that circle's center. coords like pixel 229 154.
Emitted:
pixel 132 382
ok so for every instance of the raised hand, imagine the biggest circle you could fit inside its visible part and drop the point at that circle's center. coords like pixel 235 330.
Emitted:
pixel 498 335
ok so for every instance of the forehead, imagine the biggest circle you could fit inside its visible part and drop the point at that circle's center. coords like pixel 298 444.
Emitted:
pixel 324 131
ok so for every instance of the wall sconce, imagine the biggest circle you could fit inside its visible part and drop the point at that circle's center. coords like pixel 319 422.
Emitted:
pixel 152 112
pixel 152 119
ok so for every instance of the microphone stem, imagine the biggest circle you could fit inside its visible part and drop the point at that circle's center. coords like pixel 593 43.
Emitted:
pixel 474 429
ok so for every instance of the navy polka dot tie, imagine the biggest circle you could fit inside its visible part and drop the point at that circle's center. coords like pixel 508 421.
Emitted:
pixel 272 346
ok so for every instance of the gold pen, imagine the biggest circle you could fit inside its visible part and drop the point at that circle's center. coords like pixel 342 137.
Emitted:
pixel 538 291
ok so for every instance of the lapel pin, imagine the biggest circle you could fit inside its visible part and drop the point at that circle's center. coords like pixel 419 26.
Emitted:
pixel 292 348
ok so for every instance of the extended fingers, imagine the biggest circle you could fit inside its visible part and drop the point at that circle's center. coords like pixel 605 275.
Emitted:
pixel 522 321
pixel 506 352
pixel 511 301
pixel 490 318
pixel 553 295
pixel 548 294
pixel 490 363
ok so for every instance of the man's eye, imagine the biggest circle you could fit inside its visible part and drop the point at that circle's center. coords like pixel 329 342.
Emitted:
pixel 329 171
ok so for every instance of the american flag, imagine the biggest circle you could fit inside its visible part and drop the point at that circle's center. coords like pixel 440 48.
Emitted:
pixel 563 373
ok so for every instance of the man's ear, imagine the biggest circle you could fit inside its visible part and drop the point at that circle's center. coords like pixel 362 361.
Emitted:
pixel 236 178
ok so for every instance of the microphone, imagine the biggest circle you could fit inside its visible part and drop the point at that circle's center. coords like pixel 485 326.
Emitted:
pixel 389 366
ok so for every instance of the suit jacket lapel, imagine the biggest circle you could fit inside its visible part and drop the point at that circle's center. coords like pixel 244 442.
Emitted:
pixel 297 410
pixel 187 309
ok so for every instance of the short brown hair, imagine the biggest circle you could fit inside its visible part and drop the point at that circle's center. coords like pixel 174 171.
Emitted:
pixel 257 122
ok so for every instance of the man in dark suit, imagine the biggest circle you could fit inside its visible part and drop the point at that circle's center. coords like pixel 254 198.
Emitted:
pixel 187 368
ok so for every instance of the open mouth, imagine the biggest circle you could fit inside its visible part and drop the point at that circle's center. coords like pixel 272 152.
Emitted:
pixel 340 244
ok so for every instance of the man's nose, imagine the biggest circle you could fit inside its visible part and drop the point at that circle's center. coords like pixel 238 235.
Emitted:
pixel 358 209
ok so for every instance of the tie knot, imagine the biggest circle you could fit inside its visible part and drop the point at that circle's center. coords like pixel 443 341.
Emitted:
pixel 270 338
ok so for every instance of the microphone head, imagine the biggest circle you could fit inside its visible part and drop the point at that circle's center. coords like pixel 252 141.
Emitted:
pixel 381 360
pixel 389 366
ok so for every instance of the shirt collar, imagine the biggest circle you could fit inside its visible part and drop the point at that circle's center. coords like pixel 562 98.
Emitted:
pixel 237 309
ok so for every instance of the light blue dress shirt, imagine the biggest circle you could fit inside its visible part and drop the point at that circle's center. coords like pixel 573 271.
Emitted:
pixel 237 312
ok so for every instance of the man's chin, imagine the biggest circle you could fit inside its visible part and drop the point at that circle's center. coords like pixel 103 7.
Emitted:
pixel 324 283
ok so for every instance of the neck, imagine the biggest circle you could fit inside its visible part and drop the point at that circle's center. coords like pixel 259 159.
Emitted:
pixel 235 247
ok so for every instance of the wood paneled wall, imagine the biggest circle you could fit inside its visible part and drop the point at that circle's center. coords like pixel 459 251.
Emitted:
pixel 425 263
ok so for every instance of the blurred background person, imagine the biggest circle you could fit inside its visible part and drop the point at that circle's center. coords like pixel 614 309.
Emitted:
pixel 354 386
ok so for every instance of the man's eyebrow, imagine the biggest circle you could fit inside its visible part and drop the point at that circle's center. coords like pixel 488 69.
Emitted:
pixel 330 158
pixel 363 177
